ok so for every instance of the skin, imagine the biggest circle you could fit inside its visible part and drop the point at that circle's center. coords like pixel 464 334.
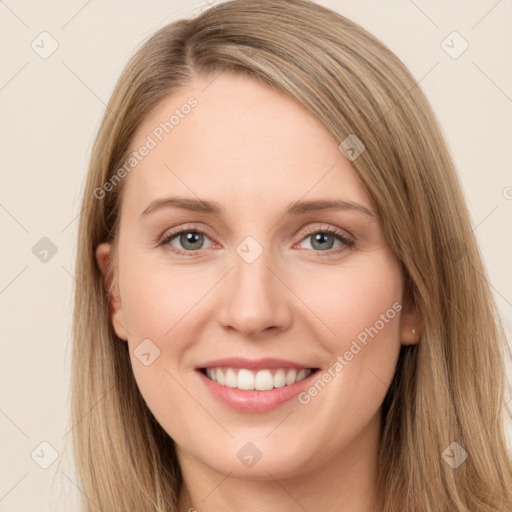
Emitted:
pixel 254 151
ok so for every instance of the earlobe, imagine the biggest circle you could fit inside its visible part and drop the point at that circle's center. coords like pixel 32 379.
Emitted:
pixel 410 336
pixel 411 324
pixel 104 261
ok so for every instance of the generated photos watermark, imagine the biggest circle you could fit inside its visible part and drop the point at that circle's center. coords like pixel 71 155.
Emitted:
pixel 341 361
pixel 151 142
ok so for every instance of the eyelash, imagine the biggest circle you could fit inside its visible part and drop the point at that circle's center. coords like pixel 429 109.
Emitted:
pixel 348 242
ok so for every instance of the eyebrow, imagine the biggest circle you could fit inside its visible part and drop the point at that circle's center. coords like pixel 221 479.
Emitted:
pixel 295 208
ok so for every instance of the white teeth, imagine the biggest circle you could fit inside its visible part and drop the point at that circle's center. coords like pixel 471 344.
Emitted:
pixel 262 380
pixel 230 378
pixel 279 378
pixel 290 377
pixel 245 379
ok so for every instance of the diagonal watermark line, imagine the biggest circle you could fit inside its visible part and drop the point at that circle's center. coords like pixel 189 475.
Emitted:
pixel 301 300
pixel 13 279
pixel 486 217
pixel 13 13
pixel 14 423
pixel 93 297
pixel 198 301
pixel 72 220
pixel 219 218
pixel 500 294
pixel 5 495
pixel 212 80
pixel 106 105
pixel 492 81
pixel 410 500
pixel 486 425
pixel 424 14
pixel 280 423
pixel 199 403
pixel 485 15
pixel 490 284
pixel 83 82
pixel 88 412
pixel 383 383
pixel 78 487
pixel 300 199
pixel 75 15
pixel 14 76
pixel 217 486
pixel 287 492
pixel 14 218
pixel 405 94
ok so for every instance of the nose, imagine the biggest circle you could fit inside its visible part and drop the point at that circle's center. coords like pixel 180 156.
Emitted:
pixel 255 300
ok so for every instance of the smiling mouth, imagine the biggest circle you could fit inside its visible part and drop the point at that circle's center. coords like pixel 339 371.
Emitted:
pixel 258 380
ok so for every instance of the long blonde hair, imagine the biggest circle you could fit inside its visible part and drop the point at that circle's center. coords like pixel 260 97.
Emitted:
pixel 448 388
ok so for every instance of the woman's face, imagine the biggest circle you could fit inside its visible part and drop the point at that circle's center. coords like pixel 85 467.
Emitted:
pixel 264 272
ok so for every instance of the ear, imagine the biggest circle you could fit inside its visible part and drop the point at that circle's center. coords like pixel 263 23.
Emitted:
pixel 411 323
pixel 104 260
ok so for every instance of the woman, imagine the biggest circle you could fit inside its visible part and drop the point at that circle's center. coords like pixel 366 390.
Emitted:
pixel 281 301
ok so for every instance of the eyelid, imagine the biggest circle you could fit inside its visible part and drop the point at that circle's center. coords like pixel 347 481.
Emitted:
pixel 315 228
pixel 178 229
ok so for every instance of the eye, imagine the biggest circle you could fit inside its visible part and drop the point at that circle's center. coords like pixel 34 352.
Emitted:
pixel 323 239
pixel 190 240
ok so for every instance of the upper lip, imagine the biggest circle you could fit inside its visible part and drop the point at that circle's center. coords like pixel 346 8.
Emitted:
pixel 252 364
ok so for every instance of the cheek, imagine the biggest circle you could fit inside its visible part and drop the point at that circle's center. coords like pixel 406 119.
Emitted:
pixel 158 305
pixel 156 298
pixel 359 312
pixel 361 306
pixel 352 301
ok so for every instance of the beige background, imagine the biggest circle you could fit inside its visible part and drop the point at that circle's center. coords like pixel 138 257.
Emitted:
pixel 50 111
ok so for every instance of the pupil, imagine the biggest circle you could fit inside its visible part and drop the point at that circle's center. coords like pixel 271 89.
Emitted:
pixel 190 239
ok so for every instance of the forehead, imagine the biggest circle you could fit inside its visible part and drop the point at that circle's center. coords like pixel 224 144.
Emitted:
pixel 242 143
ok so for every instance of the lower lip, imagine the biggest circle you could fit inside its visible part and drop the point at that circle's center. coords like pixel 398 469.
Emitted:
pixel 255 401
